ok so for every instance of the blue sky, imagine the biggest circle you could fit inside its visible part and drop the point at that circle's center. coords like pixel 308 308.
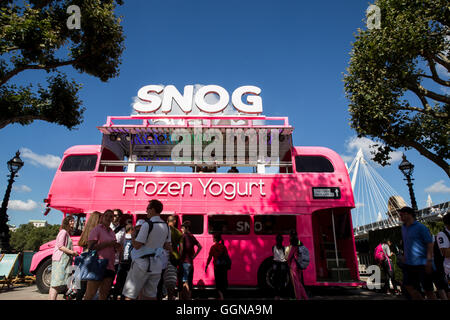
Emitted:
pixel 295 51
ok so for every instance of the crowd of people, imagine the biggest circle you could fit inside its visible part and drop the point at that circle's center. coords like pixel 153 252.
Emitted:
pixel 151 260
pixel 424 260
pixel 154 259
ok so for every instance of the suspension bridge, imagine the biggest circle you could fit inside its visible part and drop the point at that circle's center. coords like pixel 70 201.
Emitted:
pixel 377 203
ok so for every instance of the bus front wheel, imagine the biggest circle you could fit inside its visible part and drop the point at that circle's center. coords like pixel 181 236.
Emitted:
pixel 43 276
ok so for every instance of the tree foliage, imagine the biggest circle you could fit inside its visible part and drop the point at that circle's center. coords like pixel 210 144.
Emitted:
pixel 34 36
pixel 397 82
pixel 29 237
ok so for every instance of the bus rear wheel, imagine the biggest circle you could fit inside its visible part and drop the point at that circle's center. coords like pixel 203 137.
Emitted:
pixel 43 276
pixel 265 276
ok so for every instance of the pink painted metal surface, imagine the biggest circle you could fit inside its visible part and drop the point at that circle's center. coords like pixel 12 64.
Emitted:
pixel 45 252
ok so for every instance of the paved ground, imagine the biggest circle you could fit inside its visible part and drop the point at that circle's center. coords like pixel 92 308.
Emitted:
pixel 25 292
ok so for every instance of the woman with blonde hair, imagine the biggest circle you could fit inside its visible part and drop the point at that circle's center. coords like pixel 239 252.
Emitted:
pixel 92 221
pixel 62 258
pixel 103 240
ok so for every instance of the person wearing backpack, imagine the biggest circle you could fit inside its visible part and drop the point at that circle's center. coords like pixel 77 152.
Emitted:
pixel 279 266
pixel 443 242
pixel 383 256
pixel 221 262
pixel 294 267
pixel 147 255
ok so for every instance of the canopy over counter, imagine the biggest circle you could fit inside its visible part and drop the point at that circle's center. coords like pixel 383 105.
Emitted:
pixel 226 140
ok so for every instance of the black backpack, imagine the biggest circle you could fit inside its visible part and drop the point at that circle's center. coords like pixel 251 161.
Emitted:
pixel 150 226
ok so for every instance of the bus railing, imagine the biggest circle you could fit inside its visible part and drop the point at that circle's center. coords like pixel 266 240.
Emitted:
pixel 190 163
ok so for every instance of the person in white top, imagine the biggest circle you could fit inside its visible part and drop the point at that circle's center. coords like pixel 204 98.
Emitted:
pixel 147 255
pixel 280 266
pixel 443 240
pixel 119 230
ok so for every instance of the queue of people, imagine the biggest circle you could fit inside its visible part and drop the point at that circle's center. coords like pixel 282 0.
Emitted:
pixel 153 259
pixel 147 261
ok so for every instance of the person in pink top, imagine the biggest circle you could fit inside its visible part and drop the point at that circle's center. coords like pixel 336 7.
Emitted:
pixel 62 258
pixel 103 239
pixel 295 272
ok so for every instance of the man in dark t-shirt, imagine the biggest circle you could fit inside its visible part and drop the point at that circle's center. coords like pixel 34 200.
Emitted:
pixel 188 254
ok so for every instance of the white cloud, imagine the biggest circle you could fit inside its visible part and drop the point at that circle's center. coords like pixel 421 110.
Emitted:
pixel 347 158
pixel 438 187
pixel 20 205
pixel 48 160
pixel 22 188
pixel 354 143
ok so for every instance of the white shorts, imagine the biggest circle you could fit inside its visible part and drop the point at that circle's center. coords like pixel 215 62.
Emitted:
pixel 140 282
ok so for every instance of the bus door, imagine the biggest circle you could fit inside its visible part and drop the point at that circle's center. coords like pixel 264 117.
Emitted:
pixel 334 245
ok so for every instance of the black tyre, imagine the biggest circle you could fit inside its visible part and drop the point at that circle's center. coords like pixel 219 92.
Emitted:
pixel 43 276
pixel 265 276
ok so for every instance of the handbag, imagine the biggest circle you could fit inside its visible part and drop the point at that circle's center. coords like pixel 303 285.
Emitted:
pixel 91 266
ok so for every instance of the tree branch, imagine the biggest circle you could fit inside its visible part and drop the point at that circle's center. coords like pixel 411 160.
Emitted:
pixel 4 123
pixel 435 76
pixel 14 72
pixel 422 92
pixel 426 153
pixel 426 110
pixel 442 60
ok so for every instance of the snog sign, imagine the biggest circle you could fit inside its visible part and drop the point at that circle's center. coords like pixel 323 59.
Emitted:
pixel 157 98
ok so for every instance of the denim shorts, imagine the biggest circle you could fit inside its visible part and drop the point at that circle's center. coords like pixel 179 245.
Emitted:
pixel 187 272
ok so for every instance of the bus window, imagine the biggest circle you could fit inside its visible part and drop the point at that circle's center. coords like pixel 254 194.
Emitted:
pixel 166 216
pixel 229 224
pixel 271 224
pixel 313 164
pixel 80 163
pixel 80 221
pixel 196 222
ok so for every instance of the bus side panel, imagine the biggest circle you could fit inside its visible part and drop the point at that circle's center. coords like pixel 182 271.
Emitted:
pixel 305 235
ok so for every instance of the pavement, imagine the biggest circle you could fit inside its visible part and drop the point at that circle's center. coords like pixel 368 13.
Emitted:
pixel 30 292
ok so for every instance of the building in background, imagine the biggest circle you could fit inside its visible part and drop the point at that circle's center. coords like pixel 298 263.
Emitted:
pixel 38 223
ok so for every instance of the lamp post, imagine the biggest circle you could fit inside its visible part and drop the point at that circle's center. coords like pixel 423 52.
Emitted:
pixel 14 166
pixel 407 169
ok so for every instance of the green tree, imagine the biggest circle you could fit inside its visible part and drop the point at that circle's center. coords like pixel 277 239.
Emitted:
pixel 35 35
pixel 434 226
pixel 397 81
pixel 29 237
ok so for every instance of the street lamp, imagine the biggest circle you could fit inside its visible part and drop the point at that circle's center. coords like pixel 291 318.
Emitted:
pixel 14 166
pixel 407 169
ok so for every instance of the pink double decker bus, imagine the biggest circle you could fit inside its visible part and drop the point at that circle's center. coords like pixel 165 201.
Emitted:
pixel 237 175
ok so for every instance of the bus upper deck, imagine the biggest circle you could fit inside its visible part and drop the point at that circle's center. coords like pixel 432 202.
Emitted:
pixel 244 162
